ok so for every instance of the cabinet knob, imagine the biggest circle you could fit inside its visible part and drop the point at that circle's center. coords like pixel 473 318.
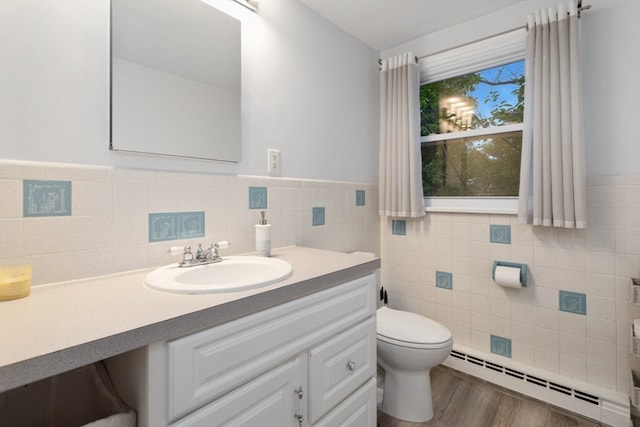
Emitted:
pixel 351 365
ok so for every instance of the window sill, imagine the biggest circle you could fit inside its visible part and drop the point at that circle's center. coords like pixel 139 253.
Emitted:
pixel 476 205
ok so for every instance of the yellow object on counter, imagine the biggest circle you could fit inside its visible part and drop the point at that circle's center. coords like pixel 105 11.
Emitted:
pixel 15 282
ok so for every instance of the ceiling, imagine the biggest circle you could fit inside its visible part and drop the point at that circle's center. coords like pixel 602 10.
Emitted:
pixel 382 24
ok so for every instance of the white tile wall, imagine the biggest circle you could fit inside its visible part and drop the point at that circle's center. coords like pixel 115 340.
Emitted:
pixel 108 229
pixel 598 262
pixel 108 233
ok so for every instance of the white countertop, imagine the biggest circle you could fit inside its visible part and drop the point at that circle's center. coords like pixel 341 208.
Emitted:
pixel 66 325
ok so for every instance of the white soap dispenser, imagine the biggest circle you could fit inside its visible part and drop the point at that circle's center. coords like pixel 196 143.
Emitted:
pixel 263 236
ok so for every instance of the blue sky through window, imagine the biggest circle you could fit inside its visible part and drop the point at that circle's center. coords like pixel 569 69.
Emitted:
pixel 482 91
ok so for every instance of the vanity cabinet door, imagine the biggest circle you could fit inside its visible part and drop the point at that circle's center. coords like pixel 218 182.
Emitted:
pixel 358 410
pixel 269 400
pixel 339 366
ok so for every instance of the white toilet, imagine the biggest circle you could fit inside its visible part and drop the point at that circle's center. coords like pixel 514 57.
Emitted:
pixel 409 345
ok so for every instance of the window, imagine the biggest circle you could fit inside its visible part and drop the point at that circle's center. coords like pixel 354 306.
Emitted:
pixel 472 129
pixel 471 106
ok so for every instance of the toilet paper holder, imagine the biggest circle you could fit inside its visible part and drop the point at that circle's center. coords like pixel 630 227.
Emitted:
pixel 522 267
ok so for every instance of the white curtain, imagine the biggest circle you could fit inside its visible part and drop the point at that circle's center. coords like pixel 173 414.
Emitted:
pixel 552 174
pixel 400 174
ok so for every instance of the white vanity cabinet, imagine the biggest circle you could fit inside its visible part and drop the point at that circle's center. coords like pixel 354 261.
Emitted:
pixel 310 361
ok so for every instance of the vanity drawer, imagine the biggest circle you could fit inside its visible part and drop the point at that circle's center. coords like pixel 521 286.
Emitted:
pixel 341 365
pixel 358 410
pixel 208 364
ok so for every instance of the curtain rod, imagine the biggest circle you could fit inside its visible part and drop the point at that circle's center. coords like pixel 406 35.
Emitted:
pixel 581 8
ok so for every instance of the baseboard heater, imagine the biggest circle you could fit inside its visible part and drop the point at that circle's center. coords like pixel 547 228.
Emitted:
pixel 605 406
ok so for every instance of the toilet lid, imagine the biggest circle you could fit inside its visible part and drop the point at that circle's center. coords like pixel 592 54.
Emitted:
pixel 410 327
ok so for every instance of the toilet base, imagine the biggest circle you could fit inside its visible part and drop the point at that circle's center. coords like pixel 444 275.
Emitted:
pixel 407 395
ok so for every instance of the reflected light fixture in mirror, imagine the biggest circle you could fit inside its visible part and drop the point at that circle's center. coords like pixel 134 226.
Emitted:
pixel 252 5
pixel 249 4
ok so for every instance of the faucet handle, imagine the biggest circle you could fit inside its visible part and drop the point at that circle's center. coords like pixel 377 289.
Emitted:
pixel 223 244
pixel 187 256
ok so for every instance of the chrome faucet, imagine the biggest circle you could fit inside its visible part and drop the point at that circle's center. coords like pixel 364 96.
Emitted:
pixel 202 256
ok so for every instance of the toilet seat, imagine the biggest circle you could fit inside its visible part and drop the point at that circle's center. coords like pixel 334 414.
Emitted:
pixel 410 330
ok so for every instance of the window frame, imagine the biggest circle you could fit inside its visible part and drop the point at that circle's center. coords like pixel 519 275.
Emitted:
pixel 487 53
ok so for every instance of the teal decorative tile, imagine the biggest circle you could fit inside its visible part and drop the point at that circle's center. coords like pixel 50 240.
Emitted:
pixel 164 226
pixel 399 227
pixel 573 302
pixel 191 225
pixel 257 197
pixel 317 216
pixel 444 280
pixel 46 198
pixel 360 198
pixel 175 225
pixel 500 234
pixel 501 346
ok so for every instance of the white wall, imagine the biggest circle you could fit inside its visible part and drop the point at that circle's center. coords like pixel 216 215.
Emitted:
pixel 312 93
pixel 609 30
pixel 610 36
pixel 309 89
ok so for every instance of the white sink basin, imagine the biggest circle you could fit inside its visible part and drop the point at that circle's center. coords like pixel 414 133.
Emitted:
pixel 234 273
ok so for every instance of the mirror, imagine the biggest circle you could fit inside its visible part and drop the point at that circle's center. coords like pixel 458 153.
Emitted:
pixel 175 79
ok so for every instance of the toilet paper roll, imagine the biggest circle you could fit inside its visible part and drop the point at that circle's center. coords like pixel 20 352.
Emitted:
pixel 508 277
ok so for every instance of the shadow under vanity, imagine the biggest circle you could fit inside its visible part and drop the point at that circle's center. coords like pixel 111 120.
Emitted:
pixel 299 352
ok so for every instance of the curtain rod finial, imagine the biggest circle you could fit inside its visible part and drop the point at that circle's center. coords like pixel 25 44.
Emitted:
pixel 581 7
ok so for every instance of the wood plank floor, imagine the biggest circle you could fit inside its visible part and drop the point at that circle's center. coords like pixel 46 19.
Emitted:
pixel 463 400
